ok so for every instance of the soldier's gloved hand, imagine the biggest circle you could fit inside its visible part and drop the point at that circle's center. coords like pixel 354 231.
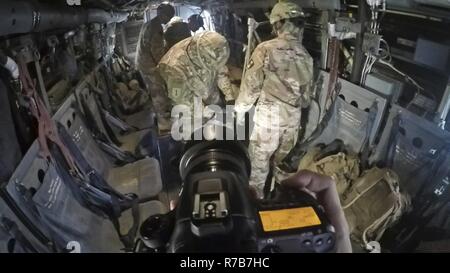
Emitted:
pixel 324 189
pixel 236 90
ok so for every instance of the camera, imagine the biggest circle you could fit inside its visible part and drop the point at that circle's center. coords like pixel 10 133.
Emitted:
pixel 216 211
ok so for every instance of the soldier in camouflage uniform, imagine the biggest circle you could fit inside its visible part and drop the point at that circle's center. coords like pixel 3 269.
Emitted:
pixel 150 50
pixel 196 67
pixel 278 78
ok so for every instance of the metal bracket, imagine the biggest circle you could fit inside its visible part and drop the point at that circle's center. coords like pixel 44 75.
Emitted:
pixel 347 24
pixel 371 43
pixel 374 2
pixel 73 2
pixel 344 28
pixel 25 48
pixel 27 51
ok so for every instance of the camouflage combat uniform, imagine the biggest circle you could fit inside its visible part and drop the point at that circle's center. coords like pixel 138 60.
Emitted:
pixel 195 67
pixel 150 50
pixel 278 78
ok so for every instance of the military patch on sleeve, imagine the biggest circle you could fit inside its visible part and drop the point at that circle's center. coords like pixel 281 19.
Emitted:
pixel 176 92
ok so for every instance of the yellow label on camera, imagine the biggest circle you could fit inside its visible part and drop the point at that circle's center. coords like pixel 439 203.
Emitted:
pixel 274 220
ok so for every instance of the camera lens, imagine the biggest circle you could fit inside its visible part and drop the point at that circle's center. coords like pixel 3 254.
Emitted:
pixel 212 156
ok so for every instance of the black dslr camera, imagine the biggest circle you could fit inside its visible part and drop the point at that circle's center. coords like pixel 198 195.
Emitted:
pixel 217 213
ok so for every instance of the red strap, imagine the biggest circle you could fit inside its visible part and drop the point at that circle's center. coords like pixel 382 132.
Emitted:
pixel 334 68
pixel 46 126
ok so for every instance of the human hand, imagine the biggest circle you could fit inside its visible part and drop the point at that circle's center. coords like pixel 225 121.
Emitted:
pixel 323 188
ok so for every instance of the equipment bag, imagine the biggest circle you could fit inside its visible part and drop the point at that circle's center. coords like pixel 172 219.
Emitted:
pixel 371 200
pixel 342 167
pixel 372 204
pixel 133 98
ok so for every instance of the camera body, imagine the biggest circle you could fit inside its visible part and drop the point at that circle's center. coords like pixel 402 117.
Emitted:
pixel 293 222
pixel 216 211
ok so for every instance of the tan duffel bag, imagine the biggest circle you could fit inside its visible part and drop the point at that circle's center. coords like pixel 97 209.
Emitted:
pixel 373 204
pixel 343 168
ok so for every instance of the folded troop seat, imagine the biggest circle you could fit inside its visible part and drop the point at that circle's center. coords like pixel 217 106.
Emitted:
pixel 140 143
pixel 142 177
pixel 48 201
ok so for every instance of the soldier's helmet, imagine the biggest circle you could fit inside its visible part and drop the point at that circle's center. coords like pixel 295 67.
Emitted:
pixel 196 22
pixel 285 10
pixel 212 49
pixel 173 21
